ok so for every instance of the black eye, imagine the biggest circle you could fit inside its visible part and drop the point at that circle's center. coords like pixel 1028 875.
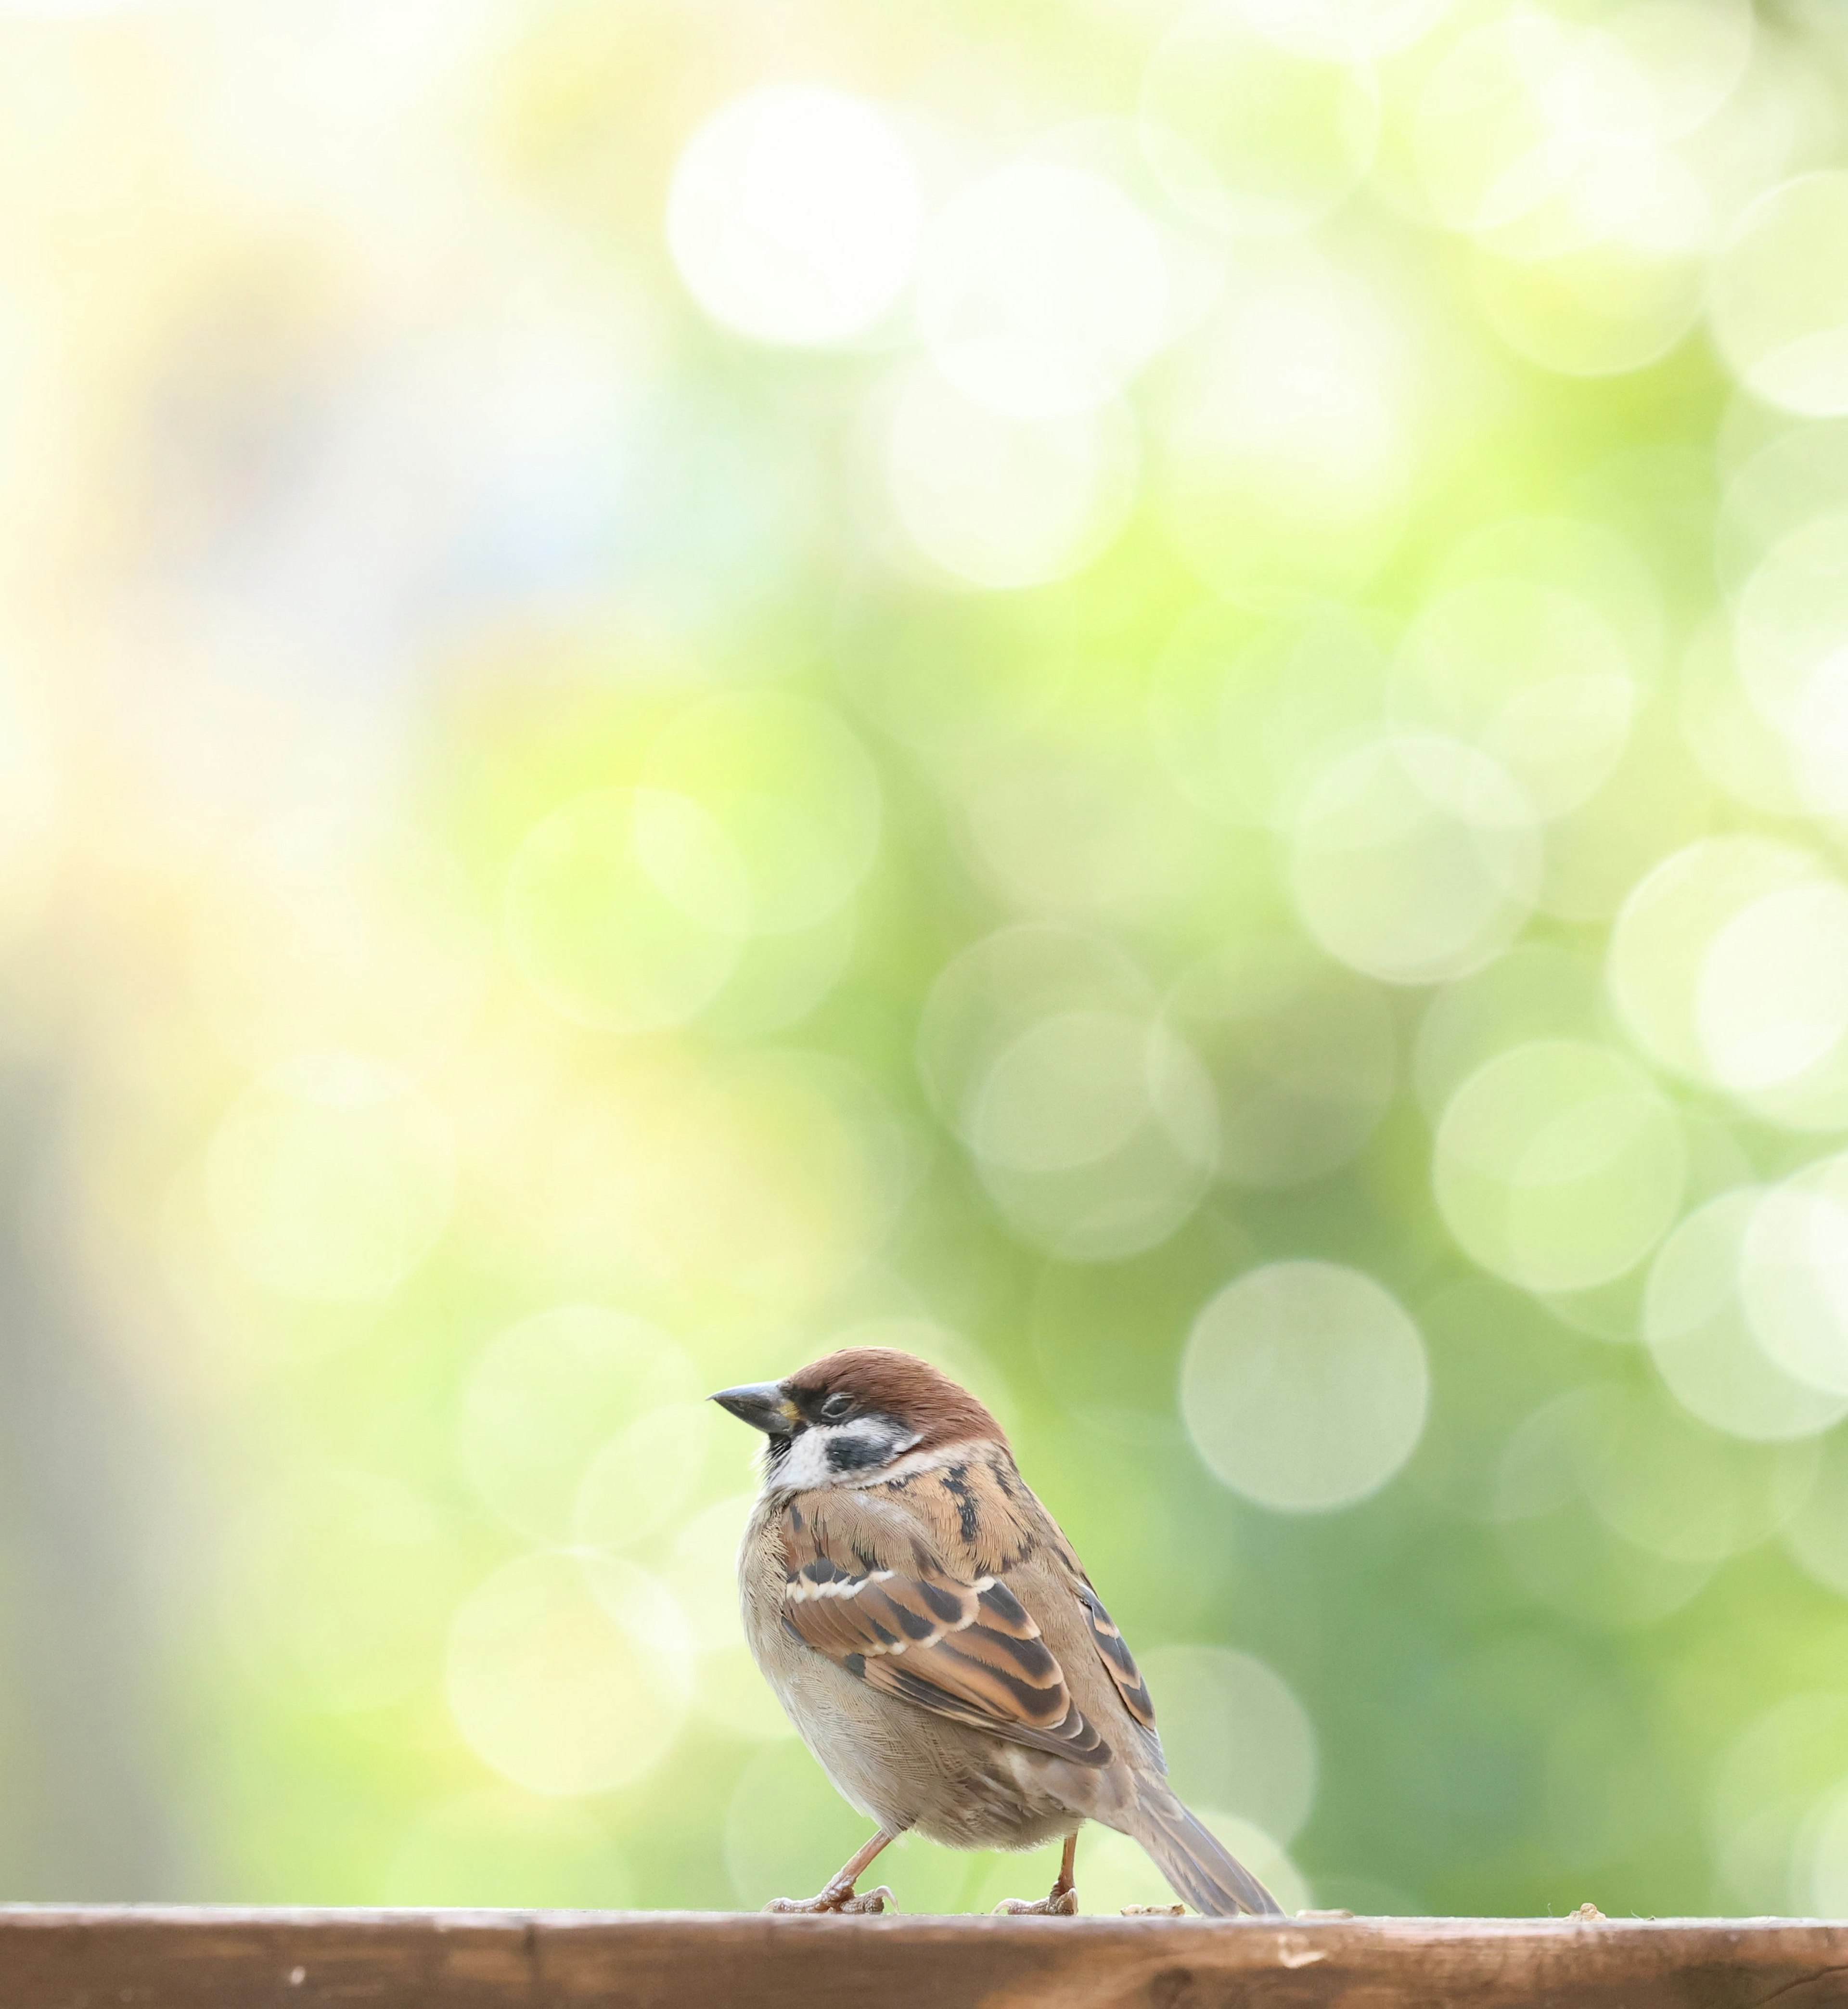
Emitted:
pixel 834 1409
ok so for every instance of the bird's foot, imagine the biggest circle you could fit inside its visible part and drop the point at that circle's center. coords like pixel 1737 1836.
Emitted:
pixel 836 1897
pixel 1059 1904
pixel 1155 1911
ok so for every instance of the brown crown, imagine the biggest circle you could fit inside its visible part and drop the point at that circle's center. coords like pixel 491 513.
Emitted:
pixel 900 1385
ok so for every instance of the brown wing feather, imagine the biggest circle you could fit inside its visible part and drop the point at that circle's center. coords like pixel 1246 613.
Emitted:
pixel 893 1616
pixel 1118 1659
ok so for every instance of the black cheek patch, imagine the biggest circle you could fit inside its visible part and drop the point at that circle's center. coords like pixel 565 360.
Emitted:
pixel 848 1454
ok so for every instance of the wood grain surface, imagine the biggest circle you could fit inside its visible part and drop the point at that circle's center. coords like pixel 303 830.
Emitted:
pixel 147 1958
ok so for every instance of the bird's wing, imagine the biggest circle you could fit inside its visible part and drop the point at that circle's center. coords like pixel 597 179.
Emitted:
pixel 869 1583
pixel 1118 1661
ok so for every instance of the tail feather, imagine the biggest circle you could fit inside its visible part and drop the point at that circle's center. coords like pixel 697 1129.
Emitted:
pixel 1201 1870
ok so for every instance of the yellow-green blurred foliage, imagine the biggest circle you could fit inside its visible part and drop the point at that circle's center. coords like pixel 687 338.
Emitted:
pixel 1153 699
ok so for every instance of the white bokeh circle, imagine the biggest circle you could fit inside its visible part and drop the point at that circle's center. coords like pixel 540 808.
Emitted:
pixel 626 909
pixel 1344 31
pixel 568 1674
pixel 1304 1386
pixel 794 214
pixel 1794 1275
pixel 1415 859
pixel 1095 1132
pixel 1005 502
pixel 1234 1734
pixel 1535 676
pixel 791 789
pixel 1780 295
pixel 1729 963
pixel 1702 1339
pixel 1558 1165
pixel 1250 134
pixel 1043 290
pixel 545 1396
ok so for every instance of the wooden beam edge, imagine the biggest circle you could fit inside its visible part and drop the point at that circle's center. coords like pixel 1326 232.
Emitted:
pixel 84 1957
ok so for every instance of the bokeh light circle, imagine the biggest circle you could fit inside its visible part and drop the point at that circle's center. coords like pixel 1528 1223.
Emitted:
pixel 1415 859
pixel 1797 480
pixel 568 1674
pixel 1658 1480
pixel 626 909
pixel 1535 676
pixel 1686 1491
pixel 1666 927
pixel 1790 639
pixel 1234 1734
pixel 1773 994
pixel 1043 290
pixel 795 215
pixel 544 1397
pixel 641 1478
pixel 1243 720
pixel 1702 1339
pixel 1005 502
pixel 1249 134
pixel 1304 1386
pixel 700 1572
pixel 1729 963
pixel 1344 31
pixel 1536 991
pixel 1285 460
pixel 1780 295
pixel 1001 986
pixel 1027 1116
pixel 1816 1535
pixel 1794 1275
pixel 783 1822
pixel 1558 1165
pixel 1618 304
pixel 1739 748
pixel 1542 136
pixel 1095 1132
pixel 793 792
pixel 1564 1547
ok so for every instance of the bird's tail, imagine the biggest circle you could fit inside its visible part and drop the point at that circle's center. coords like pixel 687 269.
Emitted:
pixel 1208 1876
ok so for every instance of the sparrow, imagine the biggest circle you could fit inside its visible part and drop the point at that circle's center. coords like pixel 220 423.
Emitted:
pixel 932 1636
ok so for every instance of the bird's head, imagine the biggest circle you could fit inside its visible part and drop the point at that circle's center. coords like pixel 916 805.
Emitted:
pixel 853 1415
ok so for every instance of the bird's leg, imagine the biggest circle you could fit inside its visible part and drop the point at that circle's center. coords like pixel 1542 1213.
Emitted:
pixel 839 1894
pixel 1061 1901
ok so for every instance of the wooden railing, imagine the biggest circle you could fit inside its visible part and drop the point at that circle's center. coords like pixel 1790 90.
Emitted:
pixel 147 1958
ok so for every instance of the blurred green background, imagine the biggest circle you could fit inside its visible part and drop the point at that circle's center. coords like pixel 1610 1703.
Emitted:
pixel 1156 700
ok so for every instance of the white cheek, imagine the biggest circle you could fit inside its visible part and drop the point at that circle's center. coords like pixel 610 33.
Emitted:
pixel 806 1465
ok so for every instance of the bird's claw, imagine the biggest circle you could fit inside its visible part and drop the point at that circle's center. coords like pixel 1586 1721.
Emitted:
pixel 875 1900
pixel 837 1897
pixel 1060 1905
pixel 1155 1911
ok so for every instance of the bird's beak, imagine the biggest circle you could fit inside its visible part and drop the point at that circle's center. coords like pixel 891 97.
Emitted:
pixel 762 1405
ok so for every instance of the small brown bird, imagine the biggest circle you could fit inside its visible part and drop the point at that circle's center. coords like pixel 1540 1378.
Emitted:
pixel 932 1636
